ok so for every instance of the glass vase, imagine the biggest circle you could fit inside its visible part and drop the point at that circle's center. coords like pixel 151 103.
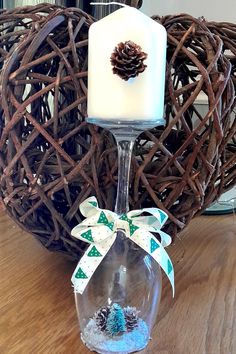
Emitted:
pixel 118 308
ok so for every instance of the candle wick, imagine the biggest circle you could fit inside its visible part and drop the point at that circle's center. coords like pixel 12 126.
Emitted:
pixel 108 3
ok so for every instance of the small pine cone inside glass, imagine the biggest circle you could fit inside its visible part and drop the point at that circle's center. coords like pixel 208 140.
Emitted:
pixel 131 317
pixel 101 317
pixel 128 60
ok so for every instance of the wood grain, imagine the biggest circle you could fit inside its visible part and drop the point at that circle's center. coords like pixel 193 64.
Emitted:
pixel 37 313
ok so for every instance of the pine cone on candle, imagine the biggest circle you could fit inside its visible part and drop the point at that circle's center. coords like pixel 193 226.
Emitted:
pixel 101 317
pixel 131 318
pixel 128 60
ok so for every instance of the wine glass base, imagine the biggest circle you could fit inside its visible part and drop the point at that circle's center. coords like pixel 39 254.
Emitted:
pixel 126 128
pixel 130 342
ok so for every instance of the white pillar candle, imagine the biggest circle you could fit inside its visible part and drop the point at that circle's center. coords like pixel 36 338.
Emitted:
pixel 109 96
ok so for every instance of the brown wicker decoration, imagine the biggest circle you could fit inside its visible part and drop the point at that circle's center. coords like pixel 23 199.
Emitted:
pixel 227 32
pixel 127 60
pixel 205 49
pixel 51 159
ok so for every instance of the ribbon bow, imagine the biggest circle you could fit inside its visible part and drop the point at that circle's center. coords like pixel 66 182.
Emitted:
pixel 100 229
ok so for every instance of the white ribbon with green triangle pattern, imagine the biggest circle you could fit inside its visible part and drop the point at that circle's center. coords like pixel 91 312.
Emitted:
pixel 99 229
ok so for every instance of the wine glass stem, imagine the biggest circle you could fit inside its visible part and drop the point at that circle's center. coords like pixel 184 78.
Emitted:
pixel 125 148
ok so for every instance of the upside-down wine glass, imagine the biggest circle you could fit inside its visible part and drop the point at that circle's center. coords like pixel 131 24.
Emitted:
pixel 128 279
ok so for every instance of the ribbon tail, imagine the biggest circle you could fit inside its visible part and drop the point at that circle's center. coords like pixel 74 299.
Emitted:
pixel 89 263
pixel 154 248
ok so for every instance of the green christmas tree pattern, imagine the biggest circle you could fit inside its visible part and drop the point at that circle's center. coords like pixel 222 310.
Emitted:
pixel 80 274
pixel 132 229
pixel 103 219
pixel 162 215
pixel 87 236
pixel 93 204
pixel 94 252
pixel 169 267
pixel 154 245
pixel 110 225
pixel 125 218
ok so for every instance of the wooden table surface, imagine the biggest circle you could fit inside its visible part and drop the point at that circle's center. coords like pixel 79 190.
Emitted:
pixel 37 312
